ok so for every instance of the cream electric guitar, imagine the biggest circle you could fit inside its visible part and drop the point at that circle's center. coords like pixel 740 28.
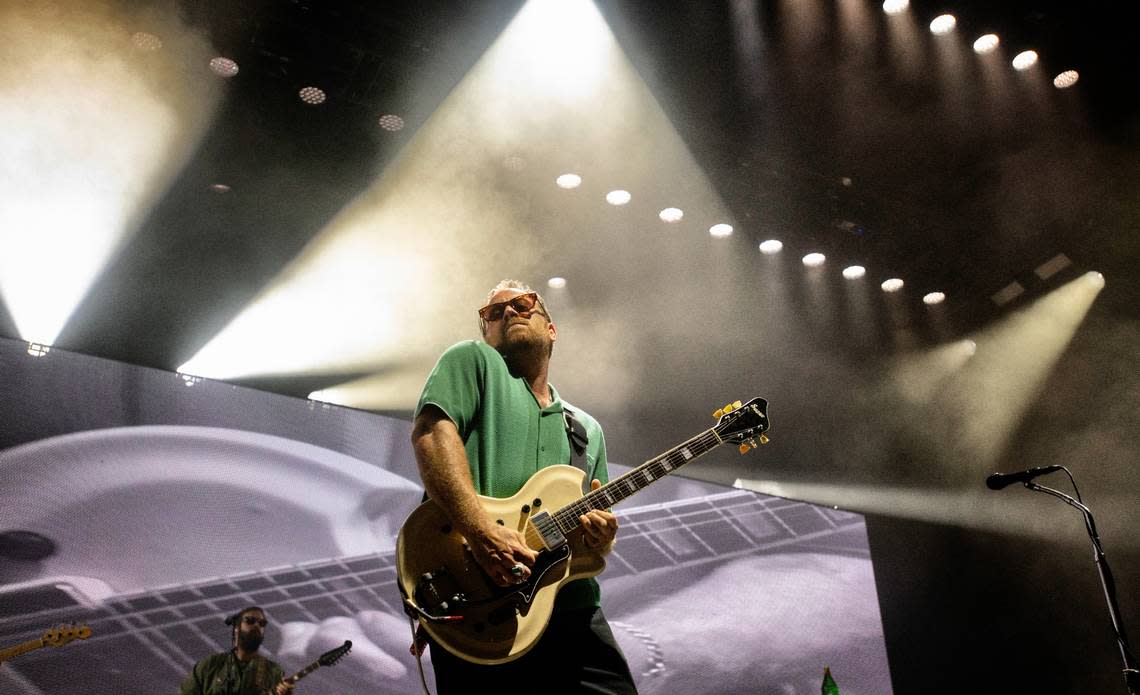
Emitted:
pixel 463 609
pixel 55 637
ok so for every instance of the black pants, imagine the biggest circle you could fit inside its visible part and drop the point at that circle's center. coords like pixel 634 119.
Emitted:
pixel 577 654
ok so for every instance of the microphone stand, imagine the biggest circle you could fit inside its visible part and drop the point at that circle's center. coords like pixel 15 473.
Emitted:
pixel 1131 673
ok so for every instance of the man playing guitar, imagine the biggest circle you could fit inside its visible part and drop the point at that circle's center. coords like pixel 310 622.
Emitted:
pixel 487 420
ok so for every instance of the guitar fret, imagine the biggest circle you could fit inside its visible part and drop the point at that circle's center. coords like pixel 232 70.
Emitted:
pixel 633 481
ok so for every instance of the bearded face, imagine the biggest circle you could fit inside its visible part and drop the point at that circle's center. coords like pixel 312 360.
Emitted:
pixel 251 631
pixel 520 335
pixel 250 641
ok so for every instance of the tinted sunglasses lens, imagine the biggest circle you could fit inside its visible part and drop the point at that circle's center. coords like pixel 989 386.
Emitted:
pixel 523 303
pixel 493 312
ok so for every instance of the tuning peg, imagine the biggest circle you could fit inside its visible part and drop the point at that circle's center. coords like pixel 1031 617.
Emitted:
pixel 763 439
pixel 744 448
pixel 718 412
pixel 728 408
pixel 737 405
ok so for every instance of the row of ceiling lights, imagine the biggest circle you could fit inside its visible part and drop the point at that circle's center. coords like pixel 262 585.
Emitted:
pixel 722 230
pixel 227 68
pixel 987 43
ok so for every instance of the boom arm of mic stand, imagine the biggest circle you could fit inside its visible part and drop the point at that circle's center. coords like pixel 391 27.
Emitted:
pixel 1131 674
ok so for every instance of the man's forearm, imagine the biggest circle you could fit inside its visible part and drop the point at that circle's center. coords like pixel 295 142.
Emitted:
pixel 446 476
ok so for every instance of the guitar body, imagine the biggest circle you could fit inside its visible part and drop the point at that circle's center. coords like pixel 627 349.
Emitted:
pixel 497 624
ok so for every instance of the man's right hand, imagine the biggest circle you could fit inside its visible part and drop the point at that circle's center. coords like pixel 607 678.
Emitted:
pixel 498 550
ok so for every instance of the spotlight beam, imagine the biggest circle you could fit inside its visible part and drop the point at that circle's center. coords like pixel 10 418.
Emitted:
pixel 87 146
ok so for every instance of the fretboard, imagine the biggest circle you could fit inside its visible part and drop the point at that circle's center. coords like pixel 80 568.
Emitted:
pixel 13 652
pixel 303 672
pixel 637 479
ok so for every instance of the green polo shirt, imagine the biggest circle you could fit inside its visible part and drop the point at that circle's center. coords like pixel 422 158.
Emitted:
pixel 507 436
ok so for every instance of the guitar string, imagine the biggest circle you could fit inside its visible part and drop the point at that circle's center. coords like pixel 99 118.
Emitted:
pixel 567 517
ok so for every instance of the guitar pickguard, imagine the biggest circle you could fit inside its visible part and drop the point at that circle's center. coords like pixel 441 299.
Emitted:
pixel 442 598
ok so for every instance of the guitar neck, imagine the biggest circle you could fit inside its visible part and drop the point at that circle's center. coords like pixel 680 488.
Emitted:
pixel 638 479
pixel 303 672
pixel 13 652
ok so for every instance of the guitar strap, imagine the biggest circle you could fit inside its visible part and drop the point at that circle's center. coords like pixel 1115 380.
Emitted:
pixel 576 433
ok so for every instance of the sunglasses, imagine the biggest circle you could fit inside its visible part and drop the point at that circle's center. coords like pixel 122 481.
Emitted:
pixel 252 620
pixel 522 304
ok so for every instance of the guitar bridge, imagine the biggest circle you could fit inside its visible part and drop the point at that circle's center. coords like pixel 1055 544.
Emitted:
pixel 439 597
pixel 552 536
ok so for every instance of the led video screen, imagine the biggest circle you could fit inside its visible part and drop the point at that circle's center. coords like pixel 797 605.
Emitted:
pixel 145 507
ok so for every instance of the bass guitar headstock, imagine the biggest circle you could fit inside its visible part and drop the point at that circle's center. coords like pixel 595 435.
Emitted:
pixel 61 635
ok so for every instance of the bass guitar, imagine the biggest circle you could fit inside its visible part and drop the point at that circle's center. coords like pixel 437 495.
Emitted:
pixel 54 637
pixel 463 609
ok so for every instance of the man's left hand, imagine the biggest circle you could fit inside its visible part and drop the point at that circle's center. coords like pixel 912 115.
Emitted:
pixel 599 527
pixel 283 688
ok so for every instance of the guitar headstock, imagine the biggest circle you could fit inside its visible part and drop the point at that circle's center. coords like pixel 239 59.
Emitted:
pixel 334 655
pixel 743 424
pixel 59 636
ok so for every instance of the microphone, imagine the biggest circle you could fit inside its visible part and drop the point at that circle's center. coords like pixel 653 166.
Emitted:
pixel 999 480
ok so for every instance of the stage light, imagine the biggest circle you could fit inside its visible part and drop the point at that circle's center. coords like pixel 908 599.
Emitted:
pixel 854 272
pixel 618 197
pixel 93 134
pixel 37 350
pixel 568 181
pixel 556 283
pixel 1095 279
pixel 892 285
pixel 146 42
pixel 1052 266
pixel 771 247
pixel 721 230
pixel 514 163
pixel 224 67
pixel 219 188
pixel 312 95
pixel 1066 79
pixel 347 302
pixel 1008 293
pixel 969 347
pixel 391 122
pixel 1024 60
pixel 814 260
pixel 943 24
pixel 986 43
pixel 895 6
pixel 932 298
pixel 671 215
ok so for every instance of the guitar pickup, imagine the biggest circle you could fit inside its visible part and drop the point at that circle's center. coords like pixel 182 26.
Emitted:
pixel 552 536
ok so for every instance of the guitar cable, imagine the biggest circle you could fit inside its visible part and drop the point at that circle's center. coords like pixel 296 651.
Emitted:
pixel 418 651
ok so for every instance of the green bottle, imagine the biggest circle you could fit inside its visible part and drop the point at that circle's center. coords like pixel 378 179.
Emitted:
pixel 828 687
